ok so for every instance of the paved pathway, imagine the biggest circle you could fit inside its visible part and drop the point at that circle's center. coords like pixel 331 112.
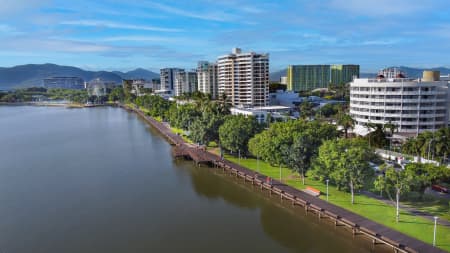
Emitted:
pixel 411 210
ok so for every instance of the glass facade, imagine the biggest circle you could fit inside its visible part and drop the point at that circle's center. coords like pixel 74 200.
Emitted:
pixel 310 77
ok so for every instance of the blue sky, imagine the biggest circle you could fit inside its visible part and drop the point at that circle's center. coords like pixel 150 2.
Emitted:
pixel 123 35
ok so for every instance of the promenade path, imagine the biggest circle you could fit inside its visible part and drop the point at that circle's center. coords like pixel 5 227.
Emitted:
pixel 360 225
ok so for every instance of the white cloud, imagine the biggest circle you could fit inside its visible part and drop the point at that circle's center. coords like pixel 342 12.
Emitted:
pixel 108 24
pixel 380 7
pixel 141 38
pixel 6 28
pixel 11 7
pixel 207 15
pixel 381 42
pixel 30 44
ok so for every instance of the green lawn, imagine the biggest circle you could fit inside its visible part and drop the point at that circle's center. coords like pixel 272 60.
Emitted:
pixel 146 111
pixel 181 133
pixel 373 209
pixel 368 207
pixel 434 206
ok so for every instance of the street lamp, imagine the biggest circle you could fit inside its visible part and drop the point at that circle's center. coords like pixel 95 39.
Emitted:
pixel 257 163
pixel 434 233
pixel 327 188
pixel 280 173
pixel 239 155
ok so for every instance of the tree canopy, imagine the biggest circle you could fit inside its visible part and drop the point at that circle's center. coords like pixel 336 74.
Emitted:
pixel 345 162
pixel 236 131
pixel 275 144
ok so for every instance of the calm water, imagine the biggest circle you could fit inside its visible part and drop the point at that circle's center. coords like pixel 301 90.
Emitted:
pixel 100 180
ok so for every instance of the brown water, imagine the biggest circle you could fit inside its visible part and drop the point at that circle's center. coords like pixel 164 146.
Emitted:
pixel 100 180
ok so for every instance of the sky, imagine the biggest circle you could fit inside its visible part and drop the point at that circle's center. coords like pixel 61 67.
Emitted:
pixel 124 35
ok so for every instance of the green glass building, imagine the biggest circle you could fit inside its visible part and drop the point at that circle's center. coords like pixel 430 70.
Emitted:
pixel 342 74
pixel 310 77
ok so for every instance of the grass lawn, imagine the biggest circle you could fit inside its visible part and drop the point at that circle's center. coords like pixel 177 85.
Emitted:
pixel 181 133
pixel 373 209
pixel 438 207
pixel 147 113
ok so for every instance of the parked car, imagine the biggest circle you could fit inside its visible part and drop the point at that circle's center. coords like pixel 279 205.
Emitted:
pixel 439 188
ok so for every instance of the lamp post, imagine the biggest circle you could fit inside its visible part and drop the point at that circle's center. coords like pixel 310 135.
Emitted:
pixel 257 163
pixel 327 188
pixel 434 232
pixel 280 172
pixel 239 156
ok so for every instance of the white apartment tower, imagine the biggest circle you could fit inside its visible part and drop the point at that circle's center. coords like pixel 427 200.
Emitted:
pixel 185 82
pixel 207 78
pixel 413 105
pixel 244 78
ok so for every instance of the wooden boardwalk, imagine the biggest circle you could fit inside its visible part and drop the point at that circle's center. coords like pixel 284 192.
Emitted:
pixel 358 225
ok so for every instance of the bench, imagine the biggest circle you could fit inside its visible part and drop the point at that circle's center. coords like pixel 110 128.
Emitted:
pixel 312 191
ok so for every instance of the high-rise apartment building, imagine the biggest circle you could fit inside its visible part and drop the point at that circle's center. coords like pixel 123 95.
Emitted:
pixel 207 78
pixel 310 77
pixel 167 78
pixel 342 74
pixel 413 105
pixel 185 82
pixel 244 78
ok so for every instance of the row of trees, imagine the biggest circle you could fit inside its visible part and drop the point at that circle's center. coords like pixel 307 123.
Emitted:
pixel 416 177
pixel 27 94
pixel 202 118
pixel 301 145
pixel 430 145
pixel 345 162
pixel 292 143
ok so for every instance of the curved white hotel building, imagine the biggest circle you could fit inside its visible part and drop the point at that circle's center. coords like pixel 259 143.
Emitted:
pixel 413 105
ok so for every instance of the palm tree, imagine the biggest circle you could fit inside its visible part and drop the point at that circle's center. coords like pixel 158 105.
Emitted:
pixel 347 122
pixel 392 128
pixel 414 147
pixel 442 145
pixel 306 109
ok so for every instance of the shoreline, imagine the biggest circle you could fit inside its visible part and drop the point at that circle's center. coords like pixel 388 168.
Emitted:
pixel 44 104
pixel 359 225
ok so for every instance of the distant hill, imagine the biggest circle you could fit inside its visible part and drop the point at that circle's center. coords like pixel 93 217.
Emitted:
pixel 32 75
pixel 138 73
pixel 275 76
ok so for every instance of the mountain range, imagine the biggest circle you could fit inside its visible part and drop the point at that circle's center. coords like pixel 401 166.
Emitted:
pixel 32 75
pixel 410 72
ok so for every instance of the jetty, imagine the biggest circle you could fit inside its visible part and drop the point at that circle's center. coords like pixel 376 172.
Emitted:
pixel 354 223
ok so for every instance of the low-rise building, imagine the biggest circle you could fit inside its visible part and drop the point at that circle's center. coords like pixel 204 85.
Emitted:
pixel 138 86
pixel 292 99
pixel 64 82
pixel 262 113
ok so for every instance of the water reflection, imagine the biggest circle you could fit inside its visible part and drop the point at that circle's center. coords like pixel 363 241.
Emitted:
pixel 287 225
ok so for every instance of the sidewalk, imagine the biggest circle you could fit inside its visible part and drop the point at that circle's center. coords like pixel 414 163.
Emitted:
pixel 411 210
